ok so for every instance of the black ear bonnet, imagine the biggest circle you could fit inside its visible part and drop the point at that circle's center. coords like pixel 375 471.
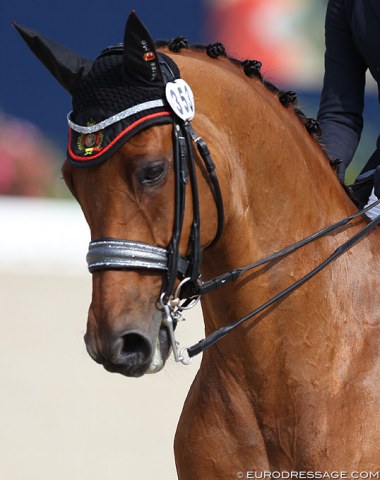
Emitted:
pixel 108 109
pixel 113 97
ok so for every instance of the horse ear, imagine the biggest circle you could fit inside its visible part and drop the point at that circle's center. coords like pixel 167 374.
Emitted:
pixel 140 61
pixel 67 66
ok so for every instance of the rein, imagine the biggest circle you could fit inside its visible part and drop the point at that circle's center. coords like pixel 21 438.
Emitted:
pixel 215 283
pixel 174 307
pixel 228 277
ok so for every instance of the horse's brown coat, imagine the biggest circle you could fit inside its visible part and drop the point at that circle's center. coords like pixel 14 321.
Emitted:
pixel 298 388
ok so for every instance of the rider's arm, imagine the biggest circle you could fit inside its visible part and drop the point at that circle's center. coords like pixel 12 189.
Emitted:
pixel 342 99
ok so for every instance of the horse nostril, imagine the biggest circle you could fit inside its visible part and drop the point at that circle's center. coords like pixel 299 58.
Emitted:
pixel 134 348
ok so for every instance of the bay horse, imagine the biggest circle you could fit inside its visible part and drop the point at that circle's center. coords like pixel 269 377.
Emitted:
pixel 295 388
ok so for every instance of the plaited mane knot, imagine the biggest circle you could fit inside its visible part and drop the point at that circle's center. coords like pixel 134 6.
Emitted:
pixel 288 98
pixel 312 126
pixel 215 50
pixel 252 68
pixel 178 43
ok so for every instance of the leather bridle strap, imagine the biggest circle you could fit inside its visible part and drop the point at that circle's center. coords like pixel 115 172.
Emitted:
pixel 185 171
pixel 106 253
pixel 180 181
pixel 223 331
pixel 118 254
pixel 210 167
pixel 195 233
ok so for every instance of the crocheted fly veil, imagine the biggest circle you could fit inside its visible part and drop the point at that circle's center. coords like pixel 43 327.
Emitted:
pixel 113 97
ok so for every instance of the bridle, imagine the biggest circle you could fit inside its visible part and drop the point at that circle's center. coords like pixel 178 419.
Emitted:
pixel 111 253
pixel 117 254
pixel 182 285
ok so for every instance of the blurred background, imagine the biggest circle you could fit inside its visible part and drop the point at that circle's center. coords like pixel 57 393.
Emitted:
pixel 62 416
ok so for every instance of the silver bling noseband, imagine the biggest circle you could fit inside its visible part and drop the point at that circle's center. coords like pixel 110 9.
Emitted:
pixel 128 255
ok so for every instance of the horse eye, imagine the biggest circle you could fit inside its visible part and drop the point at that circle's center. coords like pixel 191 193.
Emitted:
pixel 153 174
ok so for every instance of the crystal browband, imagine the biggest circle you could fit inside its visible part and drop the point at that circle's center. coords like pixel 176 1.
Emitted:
pixel 115 118
pixel 125 254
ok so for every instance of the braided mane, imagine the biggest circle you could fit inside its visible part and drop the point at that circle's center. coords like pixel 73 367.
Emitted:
pixel 251 68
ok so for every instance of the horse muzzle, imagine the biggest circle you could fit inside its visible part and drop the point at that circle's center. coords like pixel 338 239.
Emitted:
pixel 132 354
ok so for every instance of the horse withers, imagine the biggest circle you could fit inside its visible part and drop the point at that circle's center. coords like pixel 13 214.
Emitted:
pixel 294 388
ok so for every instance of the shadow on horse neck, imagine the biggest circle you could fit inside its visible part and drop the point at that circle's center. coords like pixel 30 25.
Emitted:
pixel 285 389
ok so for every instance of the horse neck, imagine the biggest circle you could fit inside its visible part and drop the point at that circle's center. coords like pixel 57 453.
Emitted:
pixel 278 188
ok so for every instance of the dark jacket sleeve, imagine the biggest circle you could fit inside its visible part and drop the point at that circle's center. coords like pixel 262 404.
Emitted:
pixel 342 99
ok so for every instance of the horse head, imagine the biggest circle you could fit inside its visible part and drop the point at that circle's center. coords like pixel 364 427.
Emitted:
pixel 127 167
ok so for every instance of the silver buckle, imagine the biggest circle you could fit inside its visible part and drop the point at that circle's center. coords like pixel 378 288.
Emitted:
pixel 171 312
pixel 169 316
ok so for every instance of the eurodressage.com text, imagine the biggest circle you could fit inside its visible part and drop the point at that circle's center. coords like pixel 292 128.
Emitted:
pixel 251 474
